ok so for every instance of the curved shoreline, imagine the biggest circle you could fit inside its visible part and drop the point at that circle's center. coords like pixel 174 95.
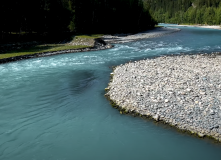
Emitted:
pixel 217 27
pixel 203 26
pixel 101 43
pixel 98 46
pixel 182 91
pixel 156 32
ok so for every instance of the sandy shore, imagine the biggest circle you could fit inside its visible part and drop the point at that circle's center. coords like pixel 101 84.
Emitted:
pixel 122 38
pixel 183 91
pixel 201 26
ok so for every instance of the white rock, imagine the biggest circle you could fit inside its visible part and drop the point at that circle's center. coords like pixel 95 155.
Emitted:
pixel 201 135
pixel 156 117
pixel 188 89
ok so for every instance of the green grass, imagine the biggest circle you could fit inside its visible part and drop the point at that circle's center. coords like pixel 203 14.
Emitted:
pixel 157 26
pixel 39 49
pixel 93 36
pixel 50 47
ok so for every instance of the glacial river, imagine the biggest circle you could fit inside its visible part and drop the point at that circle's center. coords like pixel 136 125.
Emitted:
pixel 53 108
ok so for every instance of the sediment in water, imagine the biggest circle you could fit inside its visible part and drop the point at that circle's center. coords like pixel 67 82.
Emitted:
pixel 183 91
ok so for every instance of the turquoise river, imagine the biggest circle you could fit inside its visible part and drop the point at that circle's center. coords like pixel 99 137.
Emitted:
pixel 53 108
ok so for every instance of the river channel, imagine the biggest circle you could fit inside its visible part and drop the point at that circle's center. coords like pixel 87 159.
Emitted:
pixel 53 108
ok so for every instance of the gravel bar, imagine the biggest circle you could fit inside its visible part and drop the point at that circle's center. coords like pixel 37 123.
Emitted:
pixel 123 38
pixel 183 91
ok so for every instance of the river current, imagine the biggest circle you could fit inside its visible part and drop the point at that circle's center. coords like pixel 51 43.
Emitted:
pixel 53 108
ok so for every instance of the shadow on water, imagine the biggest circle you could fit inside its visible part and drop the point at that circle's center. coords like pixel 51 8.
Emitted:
pixel 81 81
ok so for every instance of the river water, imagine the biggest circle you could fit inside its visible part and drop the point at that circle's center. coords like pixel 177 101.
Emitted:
pixel 53 108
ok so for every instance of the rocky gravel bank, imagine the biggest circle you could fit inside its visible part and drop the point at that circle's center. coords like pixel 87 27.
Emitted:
pixel 156 32
pixel 183 91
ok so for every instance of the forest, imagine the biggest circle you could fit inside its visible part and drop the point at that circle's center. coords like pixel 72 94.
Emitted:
pixel 206 12
pixel 43 17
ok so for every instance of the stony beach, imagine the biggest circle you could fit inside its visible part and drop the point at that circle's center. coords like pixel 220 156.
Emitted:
pixel 183 91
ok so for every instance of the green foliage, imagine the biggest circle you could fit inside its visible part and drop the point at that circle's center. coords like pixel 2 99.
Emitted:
pixel 79 16
pixel 92 36
pixel 71 26
pixel 111 16
pixel 40 49
pixel 186 11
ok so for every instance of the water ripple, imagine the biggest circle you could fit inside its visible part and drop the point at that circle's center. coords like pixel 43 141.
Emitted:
pixel 54 108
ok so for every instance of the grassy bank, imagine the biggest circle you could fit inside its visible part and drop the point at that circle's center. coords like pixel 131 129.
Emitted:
pixel 77 42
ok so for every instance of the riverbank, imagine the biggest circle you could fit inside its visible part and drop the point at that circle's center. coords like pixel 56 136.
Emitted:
pixel 203 26
pixel 156 32
pixel 79 44
pixel 82 44
pixel 183 91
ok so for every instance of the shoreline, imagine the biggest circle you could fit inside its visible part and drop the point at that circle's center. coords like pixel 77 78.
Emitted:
pixel 123 38
pixel 182 91
pixel 100 44
pixel 202 26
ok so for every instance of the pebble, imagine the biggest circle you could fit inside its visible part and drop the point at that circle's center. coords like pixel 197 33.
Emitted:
pixel 201 135
pixel 156 117
pixel 186 96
